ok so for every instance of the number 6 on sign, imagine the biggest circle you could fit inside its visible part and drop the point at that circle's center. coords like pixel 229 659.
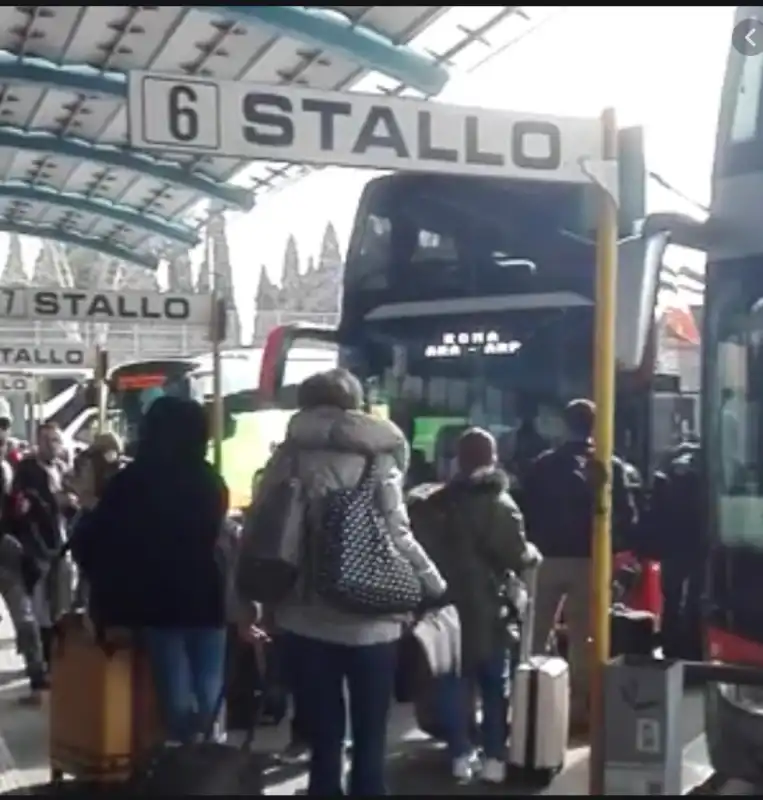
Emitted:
pixel 183 116
pixel 179 113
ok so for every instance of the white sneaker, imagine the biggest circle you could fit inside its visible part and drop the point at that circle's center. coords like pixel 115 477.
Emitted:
pixel 493 771
pixel 463 768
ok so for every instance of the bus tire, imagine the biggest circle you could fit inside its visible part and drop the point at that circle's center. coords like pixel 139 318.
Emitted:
pixel 734 738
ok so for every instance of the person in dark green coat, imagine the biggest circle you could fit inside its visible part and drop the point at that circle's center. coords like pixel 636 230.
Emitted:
pixel 474 532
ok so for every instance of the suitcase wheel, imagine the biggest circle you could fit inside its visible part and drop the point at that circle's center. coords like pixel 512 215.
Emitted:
pixel 542 778
pixel 536 779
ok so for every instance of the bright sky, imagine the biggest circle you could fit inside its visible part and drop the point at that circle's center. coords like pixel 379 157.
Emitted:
pixel 660 67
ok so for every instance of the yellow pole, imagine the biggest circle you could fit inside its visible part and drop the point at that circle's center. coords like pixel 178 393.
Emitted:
pixel 218 422
pixel 604 397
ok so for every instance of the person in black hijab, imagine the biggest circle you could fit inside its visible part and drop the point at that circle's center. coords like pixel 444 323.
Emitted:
pixel 150 555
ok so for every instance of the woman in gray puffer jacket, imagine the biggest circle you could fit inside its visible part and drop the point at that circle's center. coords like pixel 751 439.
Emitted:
pixel 323 646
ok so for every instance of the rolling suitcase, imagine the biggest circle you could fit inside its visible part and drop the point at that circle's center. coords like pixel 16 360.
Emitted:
pixel 103 717
pixel 540 702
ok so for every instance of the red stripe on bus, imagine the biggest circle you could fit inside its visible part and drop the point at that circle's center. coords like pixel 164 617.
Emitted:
pixel 725 646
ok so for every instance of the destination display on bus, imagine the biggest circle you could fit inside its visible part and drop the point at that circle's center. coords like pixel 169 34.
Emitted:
pixel 132 381
pixel 456 344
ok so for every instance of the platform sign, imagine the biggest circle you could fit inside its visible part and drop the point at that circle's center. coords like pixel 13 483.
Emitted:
pixel 16 383
pixel 58 357
pixel 234 119
pixel 71 305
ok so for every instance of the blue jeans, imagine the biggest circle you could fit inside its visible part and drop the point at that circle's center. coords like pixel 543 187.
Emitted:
pixel 456 706
pixel 188 668
pixel 318 671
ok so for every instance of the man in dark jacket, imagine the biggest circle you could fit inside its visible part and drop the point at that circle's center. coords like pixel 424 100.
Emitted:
pixel 42 503
pixel 474 532
pixel 150 555
pixel 672 533
pixel 558 503
pixel 14 588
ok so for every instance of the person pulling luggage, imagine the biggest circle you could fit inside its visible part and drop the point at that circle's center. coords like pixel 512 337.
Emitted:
pixel 558 502
pixel 474 532
pixel 150 555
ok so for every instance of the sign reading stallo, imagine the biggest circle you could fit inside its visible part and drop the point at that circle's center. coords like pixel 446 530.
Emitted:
pixel 71 305
pixel 59 356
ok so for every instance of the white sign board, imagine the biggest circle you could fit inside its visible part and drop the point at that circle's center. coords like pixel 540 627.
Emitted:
pixel 71 305
pixel 58 357
pixel 11 383
pixel 234 119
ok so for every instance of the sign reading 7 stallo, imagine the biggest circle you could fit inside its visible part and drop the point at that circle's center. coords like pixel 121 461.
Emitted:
pixel 70 305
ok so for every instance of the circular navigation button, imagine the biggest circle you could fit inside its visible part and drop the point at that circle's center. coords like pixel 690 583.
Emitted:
pixel 747 37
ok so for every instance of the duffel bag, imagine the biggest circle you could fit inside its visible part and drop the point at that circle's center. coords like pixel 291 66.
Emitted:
pixel 201 769
pixel 206 767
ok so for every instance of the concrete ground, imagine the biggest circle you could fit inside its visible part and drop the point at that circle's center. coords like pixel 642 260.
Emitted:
pixel 416 765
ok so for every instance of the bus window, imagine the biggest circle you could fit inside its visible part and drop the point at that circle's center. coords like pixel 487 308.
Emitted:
pixel 736 425
pixel 133 387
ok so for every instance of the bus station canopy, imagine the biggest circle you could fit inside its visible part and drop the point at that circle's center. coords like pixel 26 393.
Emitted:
pixel 66 170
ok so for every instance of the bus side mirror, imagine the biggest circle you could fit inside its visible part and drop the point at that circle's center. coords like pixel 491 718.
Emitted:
pixel 640 259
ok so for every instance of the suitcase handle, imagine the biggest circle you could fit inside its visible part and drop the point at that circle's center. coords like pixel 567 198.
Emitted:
pixel 527 629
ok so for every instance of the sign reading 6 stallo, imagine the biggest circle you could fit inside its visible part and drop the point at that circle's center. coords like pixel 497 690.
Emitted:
pixel 302 125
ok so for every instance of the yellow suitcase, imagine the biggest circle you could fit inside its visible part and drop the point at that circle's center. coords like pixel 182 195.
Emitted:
pixel 102 710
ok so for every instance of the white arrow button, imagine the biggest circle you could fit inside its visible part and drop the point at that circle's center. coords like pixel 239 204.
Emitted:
pixel 747 38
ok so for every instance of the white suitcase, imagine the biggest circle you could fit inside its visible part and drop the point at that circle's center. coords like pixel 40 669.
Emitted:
pixel 540 704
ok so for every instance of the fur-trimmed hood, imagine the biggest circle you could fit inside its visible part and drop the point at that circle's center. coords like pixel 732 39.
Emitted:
pixel 332 429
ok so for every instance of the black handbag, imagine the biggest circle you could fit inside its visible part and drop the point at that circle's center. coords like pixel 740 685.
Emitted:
pixel 356 566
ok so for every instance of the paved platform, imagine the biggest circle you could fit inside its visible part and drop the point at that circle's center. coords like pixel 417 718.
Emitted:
pixel 415 764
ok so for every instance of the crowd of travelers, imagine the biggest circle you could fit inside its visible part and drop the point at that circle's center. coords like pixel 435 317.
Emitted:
pixel 155 550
